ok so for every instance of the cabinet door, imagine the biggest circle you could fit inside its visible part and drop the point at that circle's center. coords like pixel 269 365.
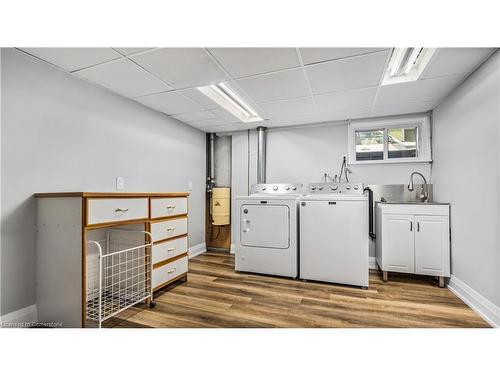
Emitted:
pixel 432 245
pixel 398 243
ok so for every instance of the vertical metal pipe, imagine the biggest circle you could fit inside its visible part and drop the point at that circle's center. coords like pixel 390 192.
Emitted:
pixel 212 156
pixel 261 155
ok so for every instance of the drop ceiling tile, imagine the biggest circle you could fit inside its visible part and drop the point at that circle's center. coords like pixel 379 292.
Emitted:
pixel 275 86
pixel 242 62
pixel 195 116
pixel 403 109
pixel 71 59
pixel 314 55
pixel 124 77
pixel 208 122
pixel 450 61
pixel 222 113
pixel 130 50
pixel 228 128
pixel 195 95
pixel 426 90
pixel 171 103
pixel 290 107
pixel 345 74
pixel 181 67
pixel 344 100
pixel 322 117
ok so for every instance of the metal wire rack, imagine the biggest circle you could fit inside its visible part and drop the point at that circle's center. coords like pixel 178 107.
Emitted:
pixel 118 273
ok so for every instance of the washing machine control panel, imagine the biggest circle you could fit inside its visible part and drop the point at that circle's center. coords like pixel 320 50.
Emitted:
pixel 277 189
pixel 335 187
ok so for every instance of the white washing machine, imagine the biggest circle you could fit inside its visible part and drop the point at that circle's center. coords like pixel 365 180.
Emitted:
pixel 334 236
pixel 267 230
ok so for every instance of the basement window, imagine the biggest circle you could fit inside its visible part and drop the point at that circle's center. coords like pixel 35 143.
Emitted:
pixel 391 140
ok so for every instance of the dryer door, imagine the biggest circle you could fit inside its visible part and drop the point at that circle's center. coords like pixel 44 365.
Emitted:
pixel 265 226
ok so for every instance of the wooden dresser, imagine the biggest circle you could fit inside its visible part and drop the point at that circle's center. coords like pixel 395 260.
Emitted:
pixel 67 221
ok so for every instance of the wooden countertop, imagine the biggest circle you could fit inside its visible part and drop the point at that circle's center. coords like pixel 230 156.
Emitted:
pixel 86 194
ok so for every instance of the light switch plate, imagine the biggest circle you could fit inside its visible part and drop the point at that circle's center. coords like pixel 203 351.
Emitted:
pixel 120 183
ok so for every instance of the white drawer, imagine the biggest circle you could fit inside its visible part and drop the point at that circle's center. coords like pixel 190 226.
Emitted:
pixel 161 230
pixel 116 209
pixel 163 207
pixel 169 249
pixel 169 271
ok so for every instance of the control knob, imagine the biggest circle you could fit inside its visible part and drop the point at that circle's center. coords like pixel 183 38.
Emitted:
pixel 263 188
pixel 348 187
pixel 294 188
pixel 334 187
pixel 356 187
pixel 287 188
pixel 275 188
pixel 313 187
pixel 320 188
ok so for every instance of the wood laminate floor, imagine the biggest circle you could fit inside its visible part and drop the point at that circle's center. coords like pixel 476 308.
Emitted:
pixel 217 296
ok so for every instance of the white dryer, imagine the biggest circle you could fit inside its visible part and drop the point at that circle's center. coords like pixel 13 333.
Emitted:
pixel 334 236
pixel 267 230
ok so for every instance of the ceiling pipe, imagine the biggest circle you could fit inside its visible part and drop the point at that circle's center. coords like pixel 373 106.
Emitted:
pixel 261 155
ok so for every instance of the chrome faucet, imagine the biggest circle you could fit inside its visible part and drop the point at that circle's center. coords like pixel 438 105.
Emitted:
pixel 425 195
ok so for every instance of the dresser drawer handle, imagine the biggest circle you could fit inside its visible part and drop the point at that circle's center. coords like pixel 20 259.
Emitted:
pixel 171 249
pixel 121 209
pixel 170 229
pixel 171 271
pixel 170 207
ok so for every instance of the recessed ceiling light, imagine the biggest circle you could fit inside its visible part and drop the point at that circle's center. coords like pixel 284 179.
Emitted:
pixel 227 99
pixel 407 64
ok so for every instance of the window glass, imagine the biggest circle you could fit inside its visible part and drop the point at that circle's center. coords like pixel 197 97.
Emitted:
pixel 370 144
pixel 402 143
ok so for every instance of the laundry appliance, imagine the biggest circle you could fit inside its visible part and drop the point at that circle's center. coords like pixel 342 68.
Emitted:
pixel 334 235
pixel 267 230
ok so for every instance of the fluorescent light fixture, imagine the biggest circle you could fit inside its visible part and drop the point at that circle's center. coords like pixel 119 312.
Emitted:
pixel 407 64
pixel 227 99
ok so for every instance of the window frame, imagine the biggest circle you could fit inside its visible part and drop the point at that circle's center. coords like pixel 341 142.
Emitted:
pixel 423 139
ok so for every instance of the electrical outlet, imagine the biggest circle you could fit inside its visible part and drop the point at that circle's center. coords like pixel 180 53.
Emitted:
pixel 120 183
pixel 190 186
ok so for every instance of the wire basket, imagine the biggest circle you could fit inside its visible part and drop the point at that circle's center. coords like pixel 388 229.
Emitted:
pixel 118 273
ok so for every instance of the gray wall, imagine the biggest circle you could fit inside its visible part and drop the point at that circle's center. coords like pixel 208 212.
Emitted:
pixel 466 173
pixel 62 134
pixel 222 162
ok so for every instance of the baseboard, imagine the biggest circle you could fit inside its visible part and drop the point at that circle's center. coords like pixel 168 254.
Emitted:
pixel 372 263
pixel 20 318
pixel 196 250
pixel 481 305
pixel 233 249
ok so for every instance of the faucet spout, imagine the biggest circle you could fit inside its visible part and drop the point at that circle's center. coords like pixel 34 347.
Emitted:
pixel 411 186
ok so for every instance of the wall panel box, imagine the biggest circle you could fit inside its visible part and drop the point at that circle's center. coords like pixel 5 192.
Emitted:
pixel 68 223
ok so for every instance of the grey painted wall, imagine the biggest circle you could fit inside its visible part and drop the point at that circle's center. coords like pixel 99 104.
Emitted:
pixel 60 133
pixel 466 173
pixel 222 162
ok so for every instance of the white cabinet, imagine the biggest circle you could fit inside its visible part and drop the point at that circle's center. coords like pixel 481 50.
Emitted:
pixel 413 238
pixel 432 245
pixel 399 254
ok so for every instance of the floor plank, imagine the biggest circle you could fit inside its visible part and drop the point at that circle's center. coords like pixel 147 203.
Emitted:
pixel 217 296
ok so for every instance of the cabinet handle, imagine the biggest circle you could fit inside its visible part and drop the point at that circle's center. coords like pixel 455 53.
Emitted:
pixel 170 229
pixel 171 271
pixel 170 207
pixel 121 209
pixel 411 226
pixel 171 249
pixel 418 226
